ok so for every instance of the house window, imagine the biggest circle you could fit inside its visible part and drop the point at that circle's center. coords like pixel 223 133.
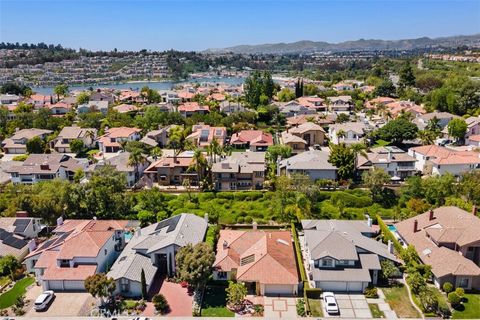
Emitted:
pixel 124 285
pixel 463 283
pixel 327 263
pixel 106 251
pixel 221 275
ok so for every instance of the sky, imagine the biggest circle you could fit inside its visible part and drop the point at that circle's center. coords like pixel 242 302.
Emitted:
pixel 203 24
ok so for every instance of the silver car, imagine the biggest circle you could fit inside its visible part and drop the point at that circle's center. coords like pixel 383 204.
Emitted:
pixel 43 300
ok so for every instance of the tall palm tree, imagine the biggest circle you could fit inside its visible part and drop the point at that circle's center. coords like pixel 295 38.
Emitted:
pixel 215 149
pixel 199 164
pixel 135 159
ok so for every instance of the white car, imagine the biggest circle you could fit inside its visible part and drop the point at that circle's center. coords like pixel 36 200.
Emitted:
pixel 330 303
pixel 43 300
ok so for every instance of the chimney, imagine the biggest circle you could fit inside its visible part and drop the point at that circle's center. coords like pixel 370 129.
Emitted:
pixel 431 217
pixel 32 245
pixel 21 214
pixel 390 246
pixel 44 166
pixel 369 222
pixel 254 225
pixel 225 244
pixel 206 217
pixel 138 232
pixel 415 225
pixel 474 210
pixel 59 221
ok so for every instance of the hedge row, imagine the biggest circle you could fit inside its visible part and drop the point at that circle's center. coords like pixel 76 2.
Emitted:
pixel 388 235
pixel 350 200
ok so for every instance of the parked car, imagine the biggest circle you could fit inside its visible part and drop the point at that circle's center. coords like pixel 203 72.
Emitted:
pixel 43 300
pixel 330 303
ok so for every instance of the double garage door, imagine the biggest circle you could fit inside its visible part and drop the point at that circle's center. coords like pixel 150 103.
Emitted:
pixel 67 285
pixel 350 286
pixel 278 289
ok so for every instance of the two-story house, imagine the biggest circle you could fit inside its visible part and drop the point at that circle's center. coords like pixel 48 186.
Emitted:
pixel 254 140
pixel 340 104
pixel 78 249
pixel 111 141
pixel 153 250
pixel 393 160
pixel 446 238
pixel 17 143
pixel 240 171
pixel 312 163
pixel 342 255
pixel 203 135
pixel 188 109
pixel 312 133
pixel 347 132
pixel 173 170
pixel 17 235
pixel 87 135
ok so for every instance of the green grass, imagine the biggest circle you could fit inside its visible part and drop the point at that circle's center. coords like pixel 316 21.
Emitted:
pixel 397 298
pixel 214 302
pixel 8 298
pixel 376 312
pixel 315 307
pixel 470 308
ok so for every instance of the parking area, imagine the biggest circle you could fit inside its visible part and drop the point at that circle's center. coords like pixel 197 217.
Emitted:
pixel 284 307
pixel 65 303
pixel 351 306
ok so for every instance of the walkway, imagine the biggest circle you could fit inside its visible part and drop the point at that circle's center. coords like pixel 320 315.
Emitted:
pixel 383 305
pixel 275 308
pixel 178 298
pixel 404 281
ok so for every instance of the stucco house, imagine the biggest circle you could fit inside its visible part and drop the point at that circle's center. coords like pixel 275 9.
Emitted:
pixel 17 143
pixel 313 163
pixel 68 134
pixel 240 171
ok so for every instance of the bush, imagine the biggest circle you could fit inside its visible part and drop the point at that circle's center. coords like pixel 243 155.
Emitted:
pixel 350 200
pixel 447 287
pixel 444 311
pixel 460 292
pixel 21 157
pixel 428 299
pixel 454 299
pixel 301 307
pixel 248 219
pixel 160 303
pixel 371 292
pixel 240 219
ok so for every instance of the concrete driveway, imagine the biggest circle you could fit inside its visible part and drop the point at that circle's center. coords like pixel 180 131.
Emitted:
pixel 281 307
pixel 65 303
pixel 351 306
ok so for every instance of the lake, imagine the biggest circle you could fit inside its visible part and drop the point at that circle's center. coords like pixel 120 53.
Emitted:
pixel 163 85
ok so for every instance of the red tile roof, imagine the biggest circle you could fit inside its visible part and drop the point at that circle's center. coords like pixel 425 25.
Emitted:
pixel 253 137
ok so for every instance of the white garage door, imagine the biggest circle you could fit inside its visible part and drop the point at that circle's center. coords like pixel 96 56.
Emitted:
pixel 55 285
pixel 74 286
pixel 278 289
pixel 355 286
pixel 332 286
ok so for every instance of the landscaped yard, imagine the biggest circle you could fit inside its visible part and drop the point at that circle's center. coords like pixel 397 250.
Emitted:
pixel 315 307
pixel 470 308
pixel 376 312
pixel 214 302
pixel 8 298
pixel 397 298
pixel 4 281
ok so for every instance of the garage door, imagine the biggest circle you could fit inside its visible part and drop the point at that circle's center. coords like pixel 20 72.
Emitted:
pixel 355 286
pixel 332 286
pixel 278 289
pixel 55 285
pixel 74 286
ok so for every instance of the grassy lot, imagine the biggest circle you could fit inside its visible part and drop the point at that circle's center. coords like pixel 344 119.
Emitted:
pixel 315 307
pixel 214 302
pixel 8 298
pixel 442 301
pixel 376 312
pixel 470 308
pixel 397 298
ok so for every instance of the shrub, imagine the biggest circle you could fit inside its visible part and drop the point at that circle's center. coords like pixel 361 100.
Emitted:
pixel 301 307
pixel 460 292
pixel 444 311
pixel 447 287
pixel 240 219
pixel 248 219
pixel 417 282
pixel 428 299
pixel 160 303
pixel 454 299
pixel 350 200
pixel 371 292
pixel 21 157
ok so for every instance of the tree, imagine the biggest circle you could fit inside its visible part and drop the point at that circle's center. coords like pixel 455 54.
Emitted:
pixel 277 151
pixel 194 263
pixel 398 130
pixel 61 90
pixel 343 157
pixel 76 145
pixel 427 137
pixel 236 293
pixel 136 158
pixel 385 89
pixel 468 186
pixel 447 287
pixel 258 85
pixel 460 292
pixel 83 98
pixel 406 76
pixel 454 299
pixel 8 265
pixel 100 286
pixel 285 95
pixel 457 128
pixel 417 282
pixel 388 269
pixel 160 303
pixel 341 118
pixel 35 145
pixel 143 283
pixel 428 299
pixel 152 96
pixel 375 179
pixel 310 89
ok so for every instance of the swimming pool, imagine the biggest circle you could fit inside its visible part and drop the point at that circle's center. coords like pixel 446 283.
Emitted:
pixel 128 236
pixel 392 228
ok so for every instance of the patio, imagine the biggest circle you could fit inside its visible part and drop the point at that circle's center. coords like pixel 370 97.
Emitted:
pixel 178 298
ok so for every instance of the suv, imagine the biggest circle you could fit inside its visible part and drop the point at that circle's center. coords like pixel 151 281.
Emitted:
pixel 43 300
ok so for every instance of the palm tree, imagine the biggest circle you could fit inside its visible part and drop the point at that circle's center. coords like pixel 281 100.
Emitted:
pixel 199 164
pixel 215 149
pixel 427 137
pixel 156 152
pixel 135 159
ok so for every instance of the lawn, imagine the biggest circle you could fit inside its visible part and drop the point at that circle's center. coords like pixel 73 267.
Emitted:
pixel 8 298
pixel 315 307
pixel 397 298
pixel 376 312
pixel 214 302
pixel 470 308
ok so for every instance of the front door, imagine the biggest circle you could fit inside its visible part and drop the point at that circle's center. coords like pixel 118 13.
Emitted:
pixel 161 262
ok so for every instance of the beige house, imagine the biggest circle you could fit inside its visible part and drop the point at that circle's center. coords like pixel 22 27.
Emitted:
pixel 68 134
pixel 240 171
pixel 311 132
pixel 17 144
pixel 172 170
pixel 295 142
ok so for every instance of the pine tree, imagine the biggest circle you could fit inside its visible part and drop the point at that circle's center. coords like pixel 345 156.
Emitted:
pixel 144 284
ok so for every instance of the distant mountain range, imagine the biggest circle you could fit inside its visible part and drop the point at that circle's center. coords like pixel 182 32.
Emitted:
pixel 306 46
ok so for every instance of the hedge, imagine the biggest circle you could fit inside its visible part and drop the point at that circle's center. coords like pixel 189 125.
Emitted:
pixel 303 275
pixel 388 235
pixel 350 200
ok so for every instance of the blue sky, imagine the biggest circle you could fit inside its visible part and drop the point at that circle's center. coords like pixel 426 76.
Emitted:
pixel 198 25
